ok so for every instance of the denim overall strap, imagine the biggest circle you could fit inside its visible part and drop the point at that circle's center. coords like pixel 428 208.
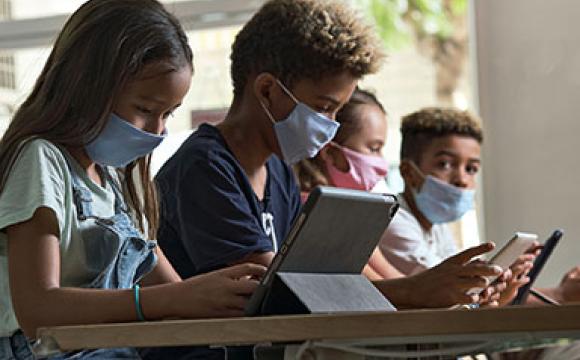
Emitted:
pixel 81 196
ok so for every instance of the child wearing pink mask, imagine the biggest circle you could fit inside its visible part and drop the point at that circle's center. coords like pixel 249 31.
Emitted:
pixel 353 160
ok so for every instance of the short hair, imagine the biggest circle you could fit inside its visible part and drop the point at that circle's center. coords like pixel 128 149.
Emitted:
pixel 420 128
pixel 298 39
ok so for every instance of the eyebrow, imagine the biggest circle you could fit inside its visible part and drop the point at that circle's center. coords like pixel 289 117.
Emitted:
pixel 152 99
pixel 452 154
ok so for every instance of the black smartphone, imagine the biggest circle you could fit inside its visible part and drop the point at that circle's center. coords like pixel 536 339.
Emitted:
pixel 539 263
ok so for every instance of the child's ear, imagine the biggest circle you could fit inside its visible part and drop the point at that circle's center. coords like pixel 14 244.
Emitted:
pixel 263 86
pixel 336 157
pixel 408 174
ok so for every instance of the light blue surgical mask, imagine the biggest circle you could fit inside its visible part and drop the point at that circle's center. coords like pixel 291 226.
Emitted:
pixel 440 202
pixel 303 133
pixel 120 143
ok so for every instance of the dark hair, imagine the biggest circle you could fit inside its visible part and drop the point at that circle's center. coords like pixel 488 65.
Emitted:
pixel 420 128
pixel 296 39
pixel 311 172
pixel 102 46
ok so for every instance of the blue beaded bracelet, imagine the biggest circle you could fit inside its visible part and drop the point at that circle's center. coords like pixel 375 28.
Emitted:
pixel 140 316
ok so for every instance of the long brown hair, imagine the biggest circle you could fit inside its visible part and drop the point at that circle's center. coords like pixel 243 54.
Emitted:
pixel 311 172
pixel 102 46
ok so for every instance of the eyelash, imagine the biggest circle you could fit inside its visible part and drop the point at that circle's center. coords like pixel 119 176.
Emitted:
pixel 444 164
pixel 144 110
pixel 472 169
pixel 327 109
pixel 150 112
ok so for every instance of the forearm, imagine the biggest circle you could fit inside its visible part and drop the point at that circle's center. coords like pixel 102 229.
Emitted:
pixel 264 259
pixel 371 274
pixel 399 292
pixel 75 306
pixel 380 265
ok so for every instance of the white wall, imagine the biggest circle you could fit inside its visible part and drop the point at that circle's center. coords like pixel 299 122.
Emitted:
pixel 529 88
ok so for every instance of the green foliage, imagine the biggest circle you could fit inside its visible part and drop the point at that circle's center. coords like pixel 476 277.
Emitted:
pixel 400 21
pixel 388 16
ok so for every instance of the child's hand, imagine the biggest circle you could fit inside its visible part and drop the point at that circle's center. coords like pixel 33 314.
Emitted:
pixel 517 278
pixel 447 284
pixel 221 293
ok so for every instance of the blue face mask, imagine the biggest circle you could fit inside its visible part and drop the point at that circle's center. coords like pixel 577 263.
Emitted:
pixel 120 143
pixel 440 202
pixel 303 133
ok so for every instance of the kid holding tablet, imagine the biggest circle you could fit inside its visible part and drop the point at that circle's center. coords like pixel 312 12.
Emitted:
pixel 229 194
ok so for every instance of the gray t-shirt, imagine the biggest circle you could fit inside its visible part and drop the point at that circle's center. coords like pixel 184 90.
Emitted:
pixel 41 178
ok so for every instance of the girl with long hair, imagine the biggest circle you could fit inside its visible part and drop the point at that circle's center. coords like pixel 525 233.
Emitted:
pixel 78 210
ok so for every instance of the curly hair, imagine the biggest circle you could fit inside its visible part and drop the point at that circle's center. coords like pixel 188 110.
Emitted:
pixel 311 172
pixel 297 39
pixel 419 128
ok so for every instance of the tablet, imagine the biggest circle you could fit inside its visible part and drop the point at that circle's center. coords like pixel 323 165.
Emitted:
pixel 508 254
pixel 335 232
pixel 539 263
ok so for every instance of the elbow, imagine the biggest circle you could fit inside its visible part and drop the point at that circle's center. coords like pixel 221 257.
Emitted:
pixel 30 319
pixel 28 326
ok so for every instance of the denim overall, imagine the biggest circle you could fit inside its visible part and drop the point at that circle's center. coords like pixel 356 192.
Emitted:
pixel 112 244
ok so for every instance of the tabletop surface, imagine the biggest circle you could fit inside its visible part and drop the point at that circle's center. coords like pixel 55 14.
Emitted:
pixel 393 327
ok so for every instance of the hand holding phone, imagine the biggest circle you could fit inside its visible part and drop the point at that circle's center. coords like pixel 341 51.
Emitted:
pixel 508 254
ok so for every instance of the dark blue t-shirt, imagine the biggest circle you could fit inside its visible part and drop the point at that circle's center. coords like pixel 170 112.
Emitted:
pixel 210 215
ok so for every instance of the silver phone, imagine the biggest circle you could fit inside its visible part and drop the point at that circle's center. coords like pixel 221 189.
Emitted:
pixel 508 254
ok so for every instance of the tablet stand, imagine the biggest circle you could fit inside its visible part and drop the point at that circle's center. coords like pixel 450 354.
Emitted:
pixel 302 293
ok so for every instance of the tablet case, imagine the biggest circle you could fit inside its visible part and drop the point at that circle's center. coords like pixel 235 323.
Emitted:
pixel 300 293
pixel 335 233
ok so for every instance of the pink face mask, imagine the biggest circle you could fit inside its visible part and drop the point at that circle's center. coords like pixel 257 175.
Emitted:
pixel 365 171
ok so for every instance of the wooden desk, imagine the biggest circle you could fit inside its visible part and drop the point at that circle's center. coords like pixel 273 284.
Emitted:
pixel 425 326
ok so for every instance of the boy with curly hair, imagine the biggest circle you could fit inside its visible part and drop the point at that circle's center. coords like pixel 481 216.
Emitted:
pixel 229 194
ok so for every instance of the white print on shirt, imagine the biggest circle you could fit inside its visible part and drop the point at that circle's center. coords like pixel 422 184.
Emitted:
pixel 268 225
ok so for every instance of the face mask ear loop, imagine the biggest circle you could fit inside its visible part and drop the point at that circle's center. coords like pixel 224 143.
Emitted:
pixel 287 91
pixel 268 113
pixel 416 168
pixel 335 144
pixel 340 148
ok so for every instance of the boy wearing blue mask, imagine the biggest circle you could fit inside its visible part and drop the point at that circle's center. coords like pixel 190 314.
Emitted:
pixel 440 158
pixel 229 195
